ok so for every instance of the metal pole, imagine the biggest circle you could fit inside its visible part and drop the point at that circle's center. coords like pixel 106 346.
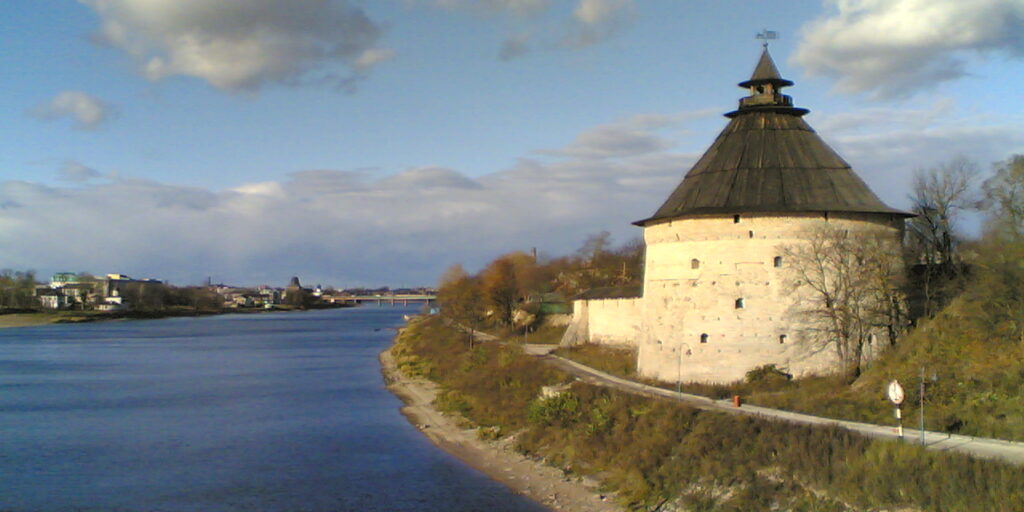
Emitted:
pixel 922 406
pixel 899 416
pixel 679 371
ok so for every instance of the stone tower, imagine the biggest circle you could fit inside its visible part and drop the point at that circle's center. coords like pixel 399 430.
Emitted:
pixel 715 297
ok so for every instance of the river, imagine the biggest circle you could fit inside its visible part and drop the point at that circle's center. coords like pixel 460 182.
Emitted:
pixel 267 412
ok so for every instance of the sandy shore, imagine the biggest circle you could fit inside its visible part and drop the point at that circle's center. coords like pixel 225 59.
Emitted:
pixel 537 481
pixel 26 319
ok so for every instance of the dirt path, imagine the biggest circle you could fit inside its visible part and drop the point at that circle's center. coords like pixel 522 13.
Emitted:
pixel 537 481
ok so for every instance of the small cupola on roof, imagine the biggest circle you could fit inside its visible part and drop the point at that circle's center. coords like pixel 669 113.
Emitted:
pixel 764 86
pixel 768 159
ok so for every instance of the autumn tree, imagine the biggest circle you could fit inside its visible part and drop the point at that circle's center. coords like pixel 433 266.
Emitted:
pixel 849 286
pixel 461 298
pixel 501 288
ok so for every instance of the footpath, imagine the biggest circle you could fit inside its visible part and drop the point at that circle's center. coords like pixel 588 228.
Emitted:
pixel 1008 451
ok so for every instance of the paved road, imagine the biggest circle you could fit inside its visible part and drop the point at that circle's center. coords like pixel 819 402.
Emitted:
pixel 981 447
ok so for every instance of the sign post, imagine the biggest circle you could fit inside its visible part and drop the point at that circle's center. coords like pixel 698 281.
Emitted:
pixel 896 395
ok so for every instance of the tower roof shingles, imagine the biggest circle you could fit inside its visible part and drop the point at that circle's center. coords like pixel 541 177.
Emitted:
pixel 768 159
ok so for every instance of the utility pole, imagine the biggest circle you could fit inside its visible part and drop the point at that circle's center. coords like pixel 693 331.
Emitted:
pixel 921 403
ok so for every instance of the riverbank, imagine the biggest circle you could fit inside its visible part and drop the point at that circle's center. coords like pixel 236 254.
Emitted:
pixel 27 319
pixel 497 459
pixel 76 317
pixel 663 455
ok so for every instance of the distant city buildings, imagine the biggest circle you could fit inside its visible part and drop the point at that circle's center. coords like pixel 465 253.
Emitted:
pixel 67 290
pixel 115 292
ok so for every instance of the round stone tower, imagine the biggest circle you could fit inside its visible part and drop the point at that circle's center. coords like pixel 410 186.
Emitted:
pixel 717 300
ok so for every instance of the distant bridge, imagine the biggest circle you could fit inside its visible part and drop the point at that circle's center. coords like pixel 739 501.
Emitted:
pixel 391 300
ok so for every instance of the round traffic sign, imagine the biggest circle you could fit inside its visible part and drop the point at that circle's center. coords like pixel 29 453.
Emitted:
pixel 895 392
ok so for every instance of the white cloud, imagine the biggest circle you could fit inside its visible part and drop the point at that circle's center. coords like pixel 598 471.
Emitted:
pixel 239 45
pixel 517 7
pixel 590 22
pixel 633 136
pixel 76 172
pixel 354 227
pixel 334 227
pixel 87 111
pixel 599 20
pixel 886 146
pixel 373 56
pixel 892 48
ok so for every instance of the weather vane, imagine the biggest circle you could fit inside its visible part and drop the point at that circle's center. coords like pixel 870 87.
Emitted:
pixel 767 35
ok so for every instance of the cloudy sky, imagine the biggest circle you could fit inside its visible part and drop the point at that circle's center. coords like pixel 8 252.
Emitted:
pixel 377 142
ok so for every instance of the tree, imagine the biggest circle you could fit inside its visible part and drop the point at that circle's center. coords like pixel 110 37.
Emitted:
pixel 501 288
pixel 597 264
pixel 461 298
pixel 17 289
pixel 849 289
pixel 1004 199
pixel 999 291
pixel 940 194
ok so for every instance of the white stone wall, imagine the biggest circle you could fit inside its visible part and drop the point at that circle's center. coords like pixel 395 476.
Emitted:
pixel 615 321
pixel 692 328
pixel 606 322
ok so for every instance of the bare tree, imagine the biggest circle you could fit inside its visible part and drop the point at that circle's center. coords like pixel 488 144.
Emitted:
pixel 940 194
pixel 849 289
pixel 1004 199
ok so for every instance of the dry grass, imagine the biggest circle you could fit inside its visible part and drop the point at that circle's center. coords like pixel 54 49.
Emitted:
pixel 655 452
pixel 618 361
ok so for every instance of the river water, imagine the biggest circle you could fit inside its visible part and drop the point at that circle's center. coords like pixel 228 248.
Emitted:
pixel 268 412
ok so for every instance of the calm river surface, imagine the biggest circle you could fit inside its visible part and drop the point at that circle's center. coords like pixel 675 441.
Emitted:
pixel 269 412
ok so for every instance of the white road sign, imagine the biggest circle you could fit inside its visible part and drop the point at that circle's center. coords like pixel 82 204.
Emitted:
pixel 896 392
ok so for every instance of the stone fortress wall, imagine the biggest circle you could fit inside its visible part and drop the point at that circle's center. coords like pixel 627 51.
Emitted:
pixel 719 298
pixel 606 322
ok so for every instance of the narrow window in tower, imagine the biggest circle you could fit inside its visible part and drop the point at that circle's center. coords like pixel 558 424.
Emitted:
pixel 782 339
pixel 777 262
pixel 735 219
pixel 695 263
pixel 703 338
pixel 739 303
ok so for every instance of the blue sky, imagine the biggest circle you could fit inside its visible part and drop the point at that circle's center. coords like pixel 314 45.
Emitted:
pixel 356 143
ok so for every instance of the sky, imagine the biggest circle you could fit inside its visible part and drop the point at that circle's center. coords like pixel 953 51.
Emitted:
pixel 363 143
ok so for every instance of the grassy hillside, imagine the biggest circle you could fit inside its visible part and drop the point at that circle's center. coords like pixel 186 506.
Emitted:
pixel 665 456
pixel 973 384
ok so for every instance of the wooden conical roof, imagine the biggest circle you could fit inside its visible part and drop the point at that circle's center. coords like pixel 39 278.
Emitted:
pixel 768 159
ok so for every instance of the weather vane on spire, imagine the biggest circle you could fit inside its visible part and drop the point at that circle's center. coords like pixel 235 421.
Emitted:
pixel 767 35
